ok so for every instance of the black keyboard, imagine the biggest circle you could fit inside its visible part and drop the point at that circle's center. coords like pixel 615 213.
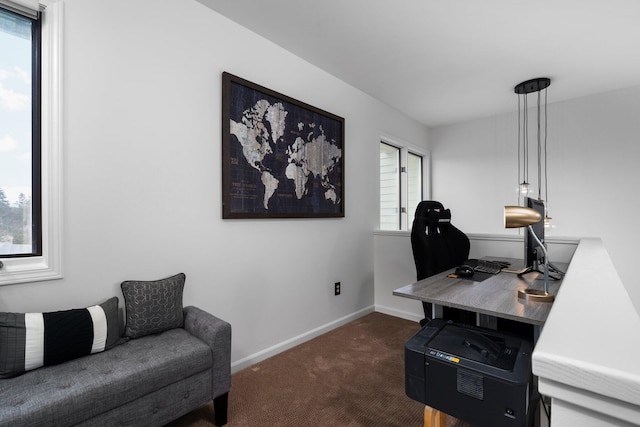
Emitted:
pixel 484 266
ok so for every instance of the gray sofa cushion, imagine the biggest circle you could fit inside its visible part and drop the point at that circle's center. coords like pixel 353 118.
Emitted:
pixel 159 407
pixel 153 306
pixel 31 340
pixel 84 388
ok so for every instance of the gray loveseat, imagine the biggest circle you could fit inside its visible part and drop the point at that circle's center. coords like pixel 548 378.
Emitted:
pixel 148 381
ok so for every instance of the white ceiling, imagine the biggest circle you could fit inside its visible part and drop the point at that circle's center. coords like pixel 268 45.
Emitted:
pixel 446 61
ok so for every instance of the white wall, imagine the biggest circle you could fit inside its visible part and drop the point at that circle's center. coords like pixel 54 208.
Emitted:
pixel 593 151
pixel 393 268
pixel 142 178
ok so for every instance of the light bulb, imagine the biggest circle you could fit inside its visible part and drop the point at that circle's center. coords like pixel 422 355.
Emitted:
pixel 524 188
pixel 547 221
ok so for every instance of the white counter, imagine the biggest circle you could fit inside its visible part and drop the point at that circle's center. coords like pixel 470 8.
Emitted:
pixel 588 355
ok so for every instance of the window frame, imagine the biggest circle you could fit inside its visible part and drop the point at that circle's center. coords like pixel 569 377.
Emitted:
pixel 48 265
pixel 406 218
pixel 394 161
pixel 410 210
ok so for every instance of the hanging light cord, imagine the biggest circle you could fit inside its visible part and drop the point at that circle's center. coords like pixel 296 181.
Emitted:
pixel 519 148
pixel 539 154
pixel 546 187
pixel 525 130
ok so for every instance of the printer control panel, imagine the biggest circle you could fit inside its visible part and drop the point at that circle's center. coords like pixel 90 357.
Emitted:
pixel 444 356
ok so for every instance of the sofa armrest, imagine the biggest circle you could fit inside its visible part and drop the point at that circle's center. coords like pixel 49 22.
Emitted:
pixel 216 333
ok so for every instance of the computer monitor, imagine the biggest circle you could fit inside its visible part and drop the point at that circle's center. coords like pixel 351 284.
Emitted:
pixel 532 254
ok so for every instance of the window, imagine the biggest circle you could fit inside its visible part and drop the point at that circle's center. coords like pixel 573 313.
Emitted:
pixel 20 219
pixel 402 184
pixel 30 135
pixel 414 183
pixel 389 187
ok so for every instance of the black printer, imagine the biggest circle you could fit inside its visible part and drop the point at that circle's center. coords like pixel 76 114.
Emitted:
pixel 478 375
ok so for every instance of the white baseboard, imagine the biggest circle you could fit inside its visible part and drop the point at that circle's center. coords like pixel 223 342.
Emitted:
pixel 292 342
pixel 399 313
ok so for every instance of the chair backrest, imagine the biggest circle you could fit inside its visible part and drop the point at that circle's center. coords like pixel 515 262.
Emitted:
pixel 437 245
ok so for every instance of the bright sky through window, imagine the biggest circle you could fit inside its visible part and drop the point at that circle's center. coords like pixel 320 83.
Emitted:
pixel 15 107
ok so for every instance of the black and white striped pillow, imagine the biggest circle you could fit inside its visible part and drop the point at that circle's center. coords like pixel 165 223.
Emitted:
pixel 31 340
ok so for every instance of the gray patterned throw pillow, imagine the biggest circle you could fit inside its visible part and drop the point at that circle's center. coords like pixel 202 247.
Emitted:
pixel 153 306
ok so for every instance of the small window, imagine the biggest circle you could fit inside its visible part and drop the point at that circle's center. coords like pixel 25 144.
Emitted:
pixel 20 225
pixel 402 185
pixel 389 187
pixel 414 183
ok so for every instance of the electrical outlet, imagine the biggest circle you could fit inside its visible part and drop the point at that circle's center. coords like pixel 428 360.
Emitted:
pixel 337 288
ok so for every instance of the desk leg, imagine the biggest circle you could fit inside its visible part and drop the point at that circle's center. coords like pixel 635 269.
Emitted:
pixel 434 418
pixel 437 311
pixel 536 333
pixel 486 321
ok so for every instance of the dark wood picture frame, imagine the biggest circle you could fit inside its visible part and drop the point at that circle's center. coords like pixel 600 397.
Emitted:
pixel 281 158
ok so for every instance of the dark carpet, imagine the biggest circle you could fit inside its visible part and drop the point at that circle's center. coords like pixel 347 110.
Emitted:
pixel 350 376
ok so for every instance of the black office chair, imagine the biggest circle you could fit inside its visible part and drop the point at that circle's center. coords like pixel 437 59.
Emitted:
pixel 438 246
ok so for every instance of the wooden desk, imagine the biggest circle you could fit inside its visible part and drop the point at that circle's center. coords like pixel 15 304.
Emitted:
pixel 496 296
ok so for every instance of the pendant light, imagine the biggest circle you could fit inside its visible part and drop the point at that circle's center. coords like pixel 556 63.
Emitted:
pixel 537 85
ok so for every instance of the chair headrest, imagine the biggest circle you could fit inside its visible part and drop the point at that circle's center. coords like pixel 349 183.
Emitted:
pixel 438 218
pixel 428 205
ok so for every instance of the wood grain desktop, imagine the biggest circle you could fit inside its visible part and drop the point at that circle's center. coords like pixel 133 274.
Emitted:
pixel 496 296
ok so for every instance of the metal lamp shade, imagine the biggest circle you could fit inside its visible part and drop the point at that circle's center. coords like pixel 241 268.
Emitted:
pixel 519 216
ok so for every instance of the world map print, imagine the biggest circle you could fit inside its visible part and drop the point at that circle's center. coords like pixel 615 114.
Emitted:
pixel 284 158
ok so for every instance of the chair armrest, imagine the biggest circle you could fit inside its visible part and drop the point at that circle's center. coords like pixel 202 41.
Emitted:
pixel 216 333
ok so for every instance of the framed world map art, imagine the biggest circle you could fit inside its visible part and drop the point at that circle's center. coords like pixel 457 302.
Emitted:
pixel 281 158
